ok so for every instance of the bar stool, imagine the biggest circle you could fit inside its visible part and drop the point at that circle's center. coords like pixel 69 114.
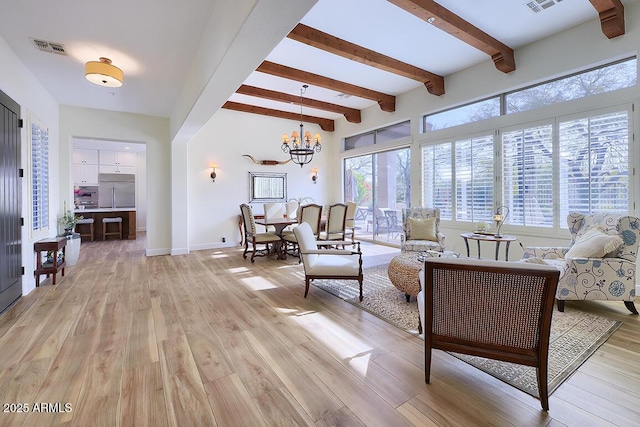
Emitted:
pixel 89 222
pixel 106 221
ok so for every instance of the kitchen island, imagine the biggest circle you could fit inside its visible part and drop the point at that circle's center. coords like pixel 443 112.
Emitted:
pixel 128 220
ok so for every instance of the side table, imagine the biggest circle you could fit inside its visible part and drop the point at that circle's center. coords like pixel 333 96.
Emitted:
pixel 55 245
pixel 489 238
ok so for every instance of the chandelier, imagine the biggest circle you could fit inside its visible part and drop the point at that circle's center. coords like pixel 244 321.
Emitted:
pixel 301 149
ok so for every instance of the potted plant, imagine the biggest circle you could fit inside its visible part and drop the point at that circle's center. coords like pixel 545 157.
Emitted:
pixel 68 222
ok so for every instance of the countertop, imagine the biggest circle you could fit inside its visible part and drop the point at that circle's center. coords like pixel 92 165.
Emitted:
pixel 103 210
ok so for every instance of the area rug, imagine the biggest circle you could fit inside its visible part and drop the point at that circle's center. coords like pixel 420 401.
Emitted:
pixel 575 335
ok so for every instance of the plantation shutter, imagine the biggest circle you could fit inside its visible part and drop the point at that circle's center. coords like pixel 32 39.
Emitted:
pixel 39 176
pixel 594 164
pixel 474 179
pixel 527 176
pixel 437 177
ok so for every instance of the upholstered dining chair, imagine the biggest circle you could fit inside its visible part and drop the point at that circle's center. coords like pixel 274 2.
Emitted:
pixel 327 263
pixel 350 223
pixel 292 209
pixel 336 220
pixel 310 214
pixel 273 210
pixel 502 311
pixel 600 261
pixel 421 230
pixel 255 238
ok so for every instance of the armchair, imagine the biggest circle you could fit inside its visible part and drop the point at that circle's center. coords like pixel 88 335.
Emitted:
pixel 327 263
pixel 424 236
pixel 591 270
pixel 502 311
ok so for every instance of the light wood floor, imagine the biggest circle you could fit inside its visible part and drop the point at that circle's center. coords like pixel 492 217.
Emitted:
pixel 210 339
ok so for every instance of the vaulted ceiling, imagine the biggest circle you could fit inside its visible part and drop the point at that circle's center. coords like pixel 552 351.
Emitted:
pixel 352 53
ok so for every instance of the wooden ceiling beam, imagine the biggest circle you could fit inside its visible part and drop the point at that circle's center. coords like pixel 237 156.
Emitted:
pixel 611 16
pixel 326 125
pixel 444 19
pixel 321 40
pixel 351 114
pixel 386 102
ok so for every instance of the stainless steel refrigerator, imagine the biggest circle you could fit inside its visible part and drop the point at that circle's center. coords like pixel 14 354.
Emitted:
pixel 116 190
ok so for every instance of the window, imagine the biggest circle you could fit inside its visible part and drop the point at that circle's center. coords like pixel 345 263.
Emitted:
pixel 379 136
pixel 546 171
pixel 607 78
pixel 527 176
pixel 39 146
pixel 469 113
pixel 437 176
pixel 472 167
pixel 474 179
pixel 594 164
pixel 600 80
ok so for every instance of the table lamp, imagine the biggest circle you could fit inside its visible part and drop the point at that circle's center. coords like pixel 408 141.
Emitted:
pixel 500 217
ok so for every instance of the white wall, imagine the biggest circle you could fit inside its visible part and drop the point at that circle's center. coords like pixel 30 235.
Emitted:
pixel 90 123
pixel 214 206
pixel 19 84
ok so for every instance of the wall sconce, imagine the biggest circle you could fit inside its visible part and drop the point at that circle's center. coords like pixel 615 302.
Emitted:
pixel 314 178
pixel 213 172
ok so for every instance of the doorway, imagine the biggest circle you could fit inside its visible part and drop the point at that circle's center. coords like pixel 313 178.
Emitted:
pixel 379 185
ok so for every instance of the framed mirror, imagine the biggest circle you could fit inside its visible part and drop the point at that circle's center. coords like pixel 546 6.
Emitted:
pixel 267 187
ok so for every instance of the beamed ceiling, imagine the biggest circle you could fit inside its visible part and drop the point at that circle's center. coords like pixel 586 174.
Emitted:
pixel 184 59
pixel 611 13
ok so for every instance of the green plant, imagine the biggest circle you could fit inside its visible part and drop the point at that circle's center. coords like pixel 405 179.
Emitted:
pixel 69 220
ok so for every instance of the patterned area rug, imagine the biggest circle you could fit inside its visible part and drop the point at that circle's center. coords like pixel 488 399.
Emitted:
pixel 575 335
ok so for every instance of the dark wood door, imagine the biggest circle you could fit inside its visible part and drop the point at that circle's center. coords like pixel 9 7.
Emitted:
pixel 10 203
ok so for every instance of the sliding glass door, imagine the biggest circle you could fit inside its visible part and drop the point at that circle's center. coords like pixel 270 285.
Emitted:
pixel 379 185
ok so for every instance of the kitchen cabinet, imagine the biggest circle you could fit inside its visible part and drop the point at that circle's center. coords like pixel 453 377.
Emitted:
pixel 85 166
pixel 85 156
pixel 117 162
pixel 85 174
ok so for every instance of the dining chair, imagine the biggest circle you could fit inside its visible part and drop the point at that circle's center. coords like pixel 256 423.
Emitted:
pixel 310 214
pixel 336 220
pixel 255 238
pixel 273 210
pixel 350 222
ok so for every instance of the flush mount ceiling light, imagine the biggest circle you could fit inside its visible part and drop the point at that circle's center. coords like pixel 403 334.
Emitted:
pixel 103 73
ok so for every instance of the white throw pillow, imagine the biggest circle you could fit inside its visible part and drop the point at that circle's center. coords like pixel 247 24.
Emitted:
pixel 595 243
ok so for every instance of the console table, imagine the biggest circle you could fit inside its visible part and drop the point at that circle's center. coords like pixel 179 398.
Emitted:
pixel 489 238
pixel 55 245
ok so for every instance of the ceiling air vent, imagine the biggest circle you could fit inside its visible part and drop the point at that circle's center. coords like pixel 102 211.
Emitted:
pixel 539 5
pixel 51 47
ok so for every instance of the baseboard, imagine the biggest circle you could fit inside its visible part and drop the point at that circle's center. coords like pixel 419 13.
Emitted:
pixel 206 246
pixel 157 252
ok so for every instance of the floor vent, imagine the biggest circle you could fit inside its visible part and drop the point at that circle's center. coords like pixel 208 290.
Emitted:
pixel 51 47
pixel 539 5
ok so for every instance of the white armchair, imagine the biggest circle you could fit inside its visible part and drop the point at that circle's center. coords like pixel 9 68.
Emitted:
pixel 589 270
pixel 327 263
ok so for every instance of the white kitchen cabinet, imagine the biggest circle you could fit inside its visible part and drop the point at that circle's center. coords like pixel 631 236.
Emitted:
pixel 117 162
pixel 84 174
pixel 85 156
